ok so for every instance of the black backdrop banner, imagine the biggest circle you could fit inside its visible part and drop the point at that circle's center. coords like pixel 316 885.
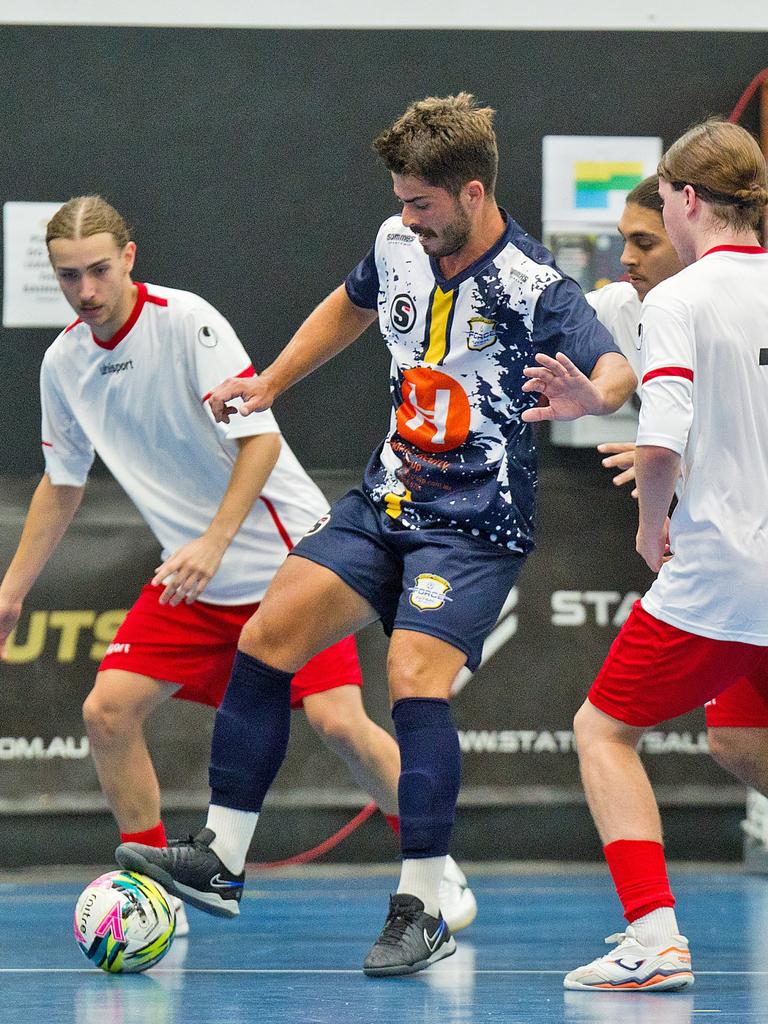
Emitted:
pixel 242 158
pixel 514 714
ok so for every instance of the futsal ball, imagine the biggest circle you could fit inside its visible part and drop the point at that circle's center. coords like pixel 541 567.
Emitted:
pixel 124 922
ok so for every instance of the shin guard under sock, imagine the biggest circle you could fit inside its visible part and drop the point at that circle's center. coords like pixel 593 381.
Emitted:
pixel 250 735
pixel 430 775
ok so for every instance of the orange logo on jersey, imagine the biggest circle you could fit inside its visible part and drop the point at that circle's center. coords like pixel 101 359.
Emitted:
pixel 435 411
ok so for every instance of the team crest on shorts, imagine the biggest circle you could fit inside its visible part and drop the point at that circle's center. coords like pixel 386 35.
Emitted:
pixel 481 333
pixel 429 592
pixel 321 522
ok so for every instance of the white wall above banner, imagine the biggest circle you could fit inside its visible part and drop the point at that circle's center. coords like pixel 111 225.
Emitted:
pixel 701 15
pixel 31 294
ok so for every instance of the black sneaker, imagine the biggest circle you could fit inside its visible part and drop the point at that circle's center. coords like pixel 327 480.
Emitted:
pixel 190 870
pixel 410 941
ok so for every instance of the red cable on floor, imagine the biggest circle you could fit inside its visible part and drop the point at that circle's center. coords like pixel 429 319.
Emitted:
pixel 325 846
pixel 746 96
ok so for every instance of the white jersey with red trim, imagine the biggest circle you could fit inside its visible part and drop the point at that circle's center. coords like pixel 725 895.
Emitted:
pixel 618 308
pixel 139 400
pixel 705 396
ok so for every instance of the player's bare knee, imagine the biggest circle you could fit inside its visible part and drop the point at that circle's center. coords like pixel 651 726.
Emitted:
pixel 333 729
pixel 261 639
pixel 409 677
pixel 741 759
pixel 591 727
pixel 582 728
pixel 105 719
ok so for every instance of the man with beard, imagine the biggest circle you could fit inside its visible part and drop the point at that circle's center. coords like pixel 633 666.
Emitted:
pixel 435 539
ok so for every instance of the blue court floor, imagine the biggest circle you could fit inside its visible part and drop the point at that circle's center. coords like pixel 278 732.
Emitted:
pixel 294 955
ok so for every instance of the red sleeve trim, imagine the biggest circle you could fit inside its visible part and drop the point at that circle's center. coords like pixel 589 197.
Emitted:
pixel 669 371
pixel 754 249
pixel 276 520
pixel 247 372
pixel 46 444
pixel 156 300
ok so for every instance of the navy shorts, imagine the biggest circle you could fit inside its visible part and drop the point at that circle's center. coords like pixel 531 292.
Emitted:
pixel 437 581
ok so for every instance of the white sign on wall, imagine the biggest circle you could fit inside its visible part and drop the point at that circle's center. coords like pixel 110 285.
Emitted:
pixel 31 294
pixel 586 179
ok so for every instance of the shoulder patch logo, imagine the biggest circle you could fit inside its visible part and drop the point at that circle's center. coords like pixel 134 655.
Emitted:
pixel 207 337
pixel 481 333
pixel 321 522
pixel 402 313
pixel 429 592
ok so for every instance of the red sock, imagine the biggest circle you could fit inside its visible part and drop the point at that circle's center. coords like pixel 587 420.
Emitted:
pixel 150 837
pixel 640 875
pixel 393 821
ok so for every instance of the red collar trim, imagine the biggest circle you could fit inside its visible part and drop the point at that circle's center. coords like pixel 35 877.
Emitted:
pixel 130 323
pixel 753 249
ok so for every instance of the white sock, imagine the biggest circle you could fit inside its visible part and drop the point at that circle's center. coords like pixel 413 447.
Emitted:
pixel 421 877
pixel 656 928
pixel 234 831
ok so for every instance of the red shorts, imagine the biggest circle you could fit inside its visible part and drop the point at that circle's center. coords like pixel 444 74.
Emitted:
pixel 655 671
pixel 194 645
pixel 744 705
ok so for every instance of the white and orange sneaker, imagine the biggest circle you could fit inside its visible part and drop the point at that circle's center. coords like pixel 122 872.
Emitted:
pixel 632 967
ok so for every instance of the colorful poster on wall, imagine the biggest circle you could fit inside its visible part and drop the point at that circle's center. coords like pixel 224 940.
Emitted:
pixel 586 179
pixel 31 295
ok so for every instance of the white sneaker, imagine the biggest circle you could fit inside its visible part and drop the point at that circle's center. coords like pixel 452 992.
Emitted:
pixel 631 966
pixel 457 901
pixel 182 924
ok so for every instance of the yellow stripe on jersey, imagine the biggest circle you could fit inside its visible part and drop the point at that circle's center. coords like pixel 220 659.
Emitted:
pixel 393 503
pixel 442 305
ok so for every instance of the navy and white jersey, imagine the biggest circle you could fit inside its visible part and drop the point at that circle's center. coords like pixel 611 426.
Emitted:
pixel 458 453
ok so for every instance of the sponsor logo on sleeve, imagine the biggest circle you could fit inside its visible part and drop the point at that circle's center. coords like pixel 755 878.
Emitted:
pixel 321 522
pixel 207 337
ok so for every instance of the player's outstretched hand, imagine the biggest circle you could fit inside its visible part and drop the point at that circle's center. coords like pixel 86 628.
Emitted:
pixel 255 392
pixel 621 456
pixel 10 613
pixel 568 392
pixel 187 572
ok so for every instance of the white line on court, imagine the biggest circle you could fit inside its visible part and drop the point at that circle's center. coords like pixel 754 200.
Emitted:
pixel 317 970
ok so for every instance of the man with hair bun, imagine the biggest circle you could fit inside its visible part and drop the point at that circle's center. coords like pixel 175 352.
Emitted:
pixel 704 622
pixel 737 719
pixel 434 541
pixel 129 379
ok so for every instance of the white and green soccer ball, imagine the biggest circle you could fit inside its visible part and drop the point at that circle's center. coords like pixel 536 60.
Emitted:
pixel 124 922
